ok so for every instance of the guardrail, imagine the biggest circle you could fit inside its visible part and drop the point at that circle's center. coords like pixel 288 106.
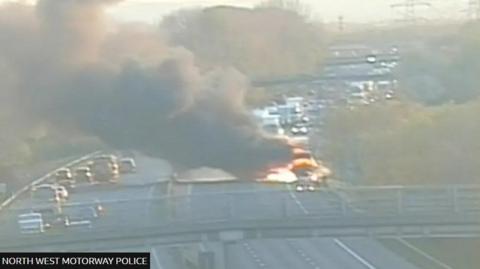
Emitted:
pixel 15 195
pixel 389 201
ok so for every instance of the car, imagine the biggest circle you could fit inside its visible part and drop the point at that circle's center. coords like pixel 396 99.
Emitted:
pixel 68 184
pixel 303 130
pixel 64 178
pixel 299 129
pixel 83 174
pixel 63 173
pixel 300 188
pixel 371 59
pixel 80 216
pixel 56 190
pixel 63 192
pixel 311 188
pixel 49 193
pixel 389 95
pixel 305 119
pixel 112 159
pixel 295 130
pixel 104 170
pixel 109 157
pixel 127 165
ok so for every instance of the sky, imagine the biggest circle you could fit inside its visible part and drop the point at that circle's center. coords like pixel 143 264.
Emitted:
pixel 152 11
pixel 323 10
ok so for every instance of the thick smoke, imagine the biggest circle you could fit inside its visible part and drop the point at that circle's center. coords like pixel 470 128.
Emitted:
pixel 73 69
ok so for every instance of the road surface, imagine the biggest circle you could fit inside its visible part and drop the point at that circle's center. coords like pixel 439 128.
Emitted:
pixel 128 203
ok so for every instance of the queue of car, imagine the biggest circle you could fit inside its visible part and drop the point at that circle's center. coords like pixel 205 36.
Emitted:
pixel 50 209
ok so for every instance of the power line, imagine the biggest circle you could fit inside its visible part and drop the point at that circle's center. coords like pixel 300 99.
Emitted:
pixel 410 7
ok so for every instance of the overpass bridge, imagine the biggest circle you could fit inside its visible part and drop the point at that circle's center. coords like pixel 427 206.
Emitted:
pixel 395 211
pixel 335 62
pixel 348 60
pixel 320 78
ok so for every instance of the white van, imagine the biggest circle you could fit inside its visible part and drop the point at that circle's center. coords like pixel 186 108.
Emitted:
pixel 31 223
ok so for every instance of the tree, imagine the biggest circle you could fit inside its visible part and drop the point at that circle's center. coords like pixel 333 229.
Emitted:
pixel 291 5
pixel 263 42
pixel 405 144
pixel 445 69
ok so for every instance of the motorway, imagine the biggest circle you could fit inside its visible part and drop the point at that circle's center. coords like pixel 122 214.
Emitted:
pixel 298 253
pixel 140 198
pixel 128 203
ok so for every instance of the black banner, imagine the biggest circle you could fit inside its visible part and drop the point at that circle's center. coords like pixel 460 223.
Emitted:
pixel 75 260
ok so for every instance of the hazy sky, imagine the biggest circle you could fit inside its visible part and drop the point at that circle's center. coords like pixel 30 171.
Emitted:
pixel 326 10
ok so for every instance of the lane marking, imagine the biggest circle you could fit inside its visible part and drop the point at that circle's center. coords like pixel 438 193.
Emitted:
pixel 350 251
pixel 424 254
pixel 300 251
pixel 295 199
pixel 258 260
pixel 155 258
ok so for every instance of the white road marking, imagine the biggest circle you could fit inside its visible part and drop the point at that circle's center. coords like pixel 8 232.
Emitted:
pixel 353 254
pixel 259 261
pixel 424 254
pixel 342 245
pixel 155 258
pixel 295 199
pixel 300 252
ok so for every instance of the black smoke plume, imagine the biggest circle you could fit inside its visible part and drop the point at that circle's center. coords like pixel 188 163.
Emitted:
pixel 69 66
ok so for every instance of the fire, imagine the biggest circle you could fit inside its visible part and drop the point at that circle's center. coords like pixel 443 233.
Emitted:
pixel 302 160
pixel 281 175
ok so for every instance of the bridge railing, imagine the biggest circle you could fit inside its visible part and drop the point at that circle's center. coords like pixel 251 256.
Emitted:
pixel 397 203
pixel 354 209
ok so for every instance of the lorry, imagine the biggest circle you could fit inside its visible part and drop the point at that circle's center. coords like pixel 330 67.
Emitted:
pixel 310 172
